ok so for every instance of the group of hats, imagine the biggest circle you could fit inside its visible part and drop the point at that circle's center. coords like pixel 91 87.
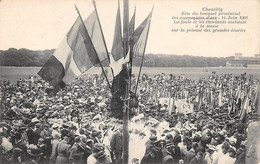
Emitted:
pixel 98 150
pixel 85 144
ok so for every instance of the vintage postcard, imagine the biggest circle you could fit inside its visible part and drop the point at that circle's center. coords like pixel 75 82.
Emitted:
pixel 130 81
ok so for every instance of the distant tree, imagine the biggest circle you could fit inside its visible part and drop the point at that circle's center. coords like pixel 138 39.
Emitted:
pixel 29 58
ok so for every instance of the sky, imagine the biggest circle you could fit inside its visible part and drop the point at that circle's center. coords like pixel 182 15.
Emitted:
pixel 42 24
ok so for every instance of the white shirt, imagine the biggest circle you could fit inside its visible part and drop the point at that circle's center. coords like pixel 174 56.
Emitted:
pixel 91 160
pixel 226 159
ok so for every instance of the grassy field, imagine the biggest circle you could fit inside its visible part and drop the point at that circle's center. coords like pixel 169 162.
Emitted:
pixel 13 73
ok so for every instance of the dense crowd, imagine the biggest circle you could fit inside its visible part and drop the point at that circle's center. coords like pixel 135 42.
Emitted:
pixel 75 126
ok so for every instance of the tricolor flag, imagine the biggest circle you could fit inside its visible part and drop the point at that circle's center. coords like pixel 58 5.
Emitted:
pixel 140 40
pixel 75 54
pixel 117 48
pixel 132 26
pixel 141 36
pixel 117 59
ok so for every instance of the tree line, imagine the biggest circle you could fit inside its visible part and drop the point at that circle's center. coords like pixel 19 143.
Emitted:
pixel 29 58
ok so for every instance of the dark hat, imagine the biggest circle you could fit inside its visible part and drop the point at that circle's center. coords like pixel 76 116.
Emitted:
pixel 158 142
pixel 23 127
pixel 225 145
pixel 186 139
pixel 95 133
pixel 210 124
pixel 204 116
pixel 169 136
pixel 153 131
pixel 196 138
pixel 166 131
pixel 38 124
pixel 31 124
pixel 46 125
pixel 64 132
pixel 177 139
pixel 65 125
pixel 100 155
pixel 155 149
pixel 84 146
pixel 153 138
pixel 89 142
pixel 142 133
pixel 98 146
pixel 221 124
pixel 73 127
pixel 17 151
pixel 72 135
pixel 217 120
pixel 232 149
pixel 168 145
pixel 176 131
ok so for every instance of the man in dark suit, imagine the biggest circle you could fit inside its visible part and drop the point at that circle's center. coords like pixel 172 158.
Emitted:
pixel 190 154
pixel 33 136
pixel 116 144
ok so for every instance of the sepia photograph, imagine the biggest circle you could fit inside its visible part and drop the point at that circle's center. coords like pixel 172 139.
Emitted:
pixel 129 82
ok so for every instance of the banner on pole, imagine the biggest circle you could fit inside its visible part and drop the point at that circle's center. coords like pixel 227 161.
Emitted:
pixel 183 106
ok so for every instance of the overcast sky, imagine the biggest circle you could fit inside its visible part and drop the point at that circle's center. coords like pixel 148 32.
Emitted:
pixel 42 24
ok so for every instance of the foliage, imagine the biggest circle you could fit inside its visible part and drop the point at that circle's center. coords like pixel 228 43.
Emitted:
pixel 29 58
pixel 24 57
pixel 155 60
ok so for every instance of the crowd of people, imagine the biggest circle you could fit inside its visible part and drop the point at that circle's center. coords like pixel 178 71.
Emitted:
pixel 75 125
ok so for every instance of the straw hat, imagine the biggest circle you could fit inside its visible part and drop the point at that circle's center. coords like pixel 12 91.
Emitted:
pixel 212 147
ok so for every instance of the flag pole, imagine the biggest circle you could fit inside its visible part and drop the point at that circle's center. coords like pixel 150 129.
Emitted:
pixel 131 45
pixel 94 49
pixel 139 73
pixel 94 3
pixel 126 101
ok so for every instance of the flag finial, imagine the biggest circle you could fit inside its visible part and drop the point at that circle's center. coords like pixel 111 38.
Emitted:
pixel 94 2
pixel 76 8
